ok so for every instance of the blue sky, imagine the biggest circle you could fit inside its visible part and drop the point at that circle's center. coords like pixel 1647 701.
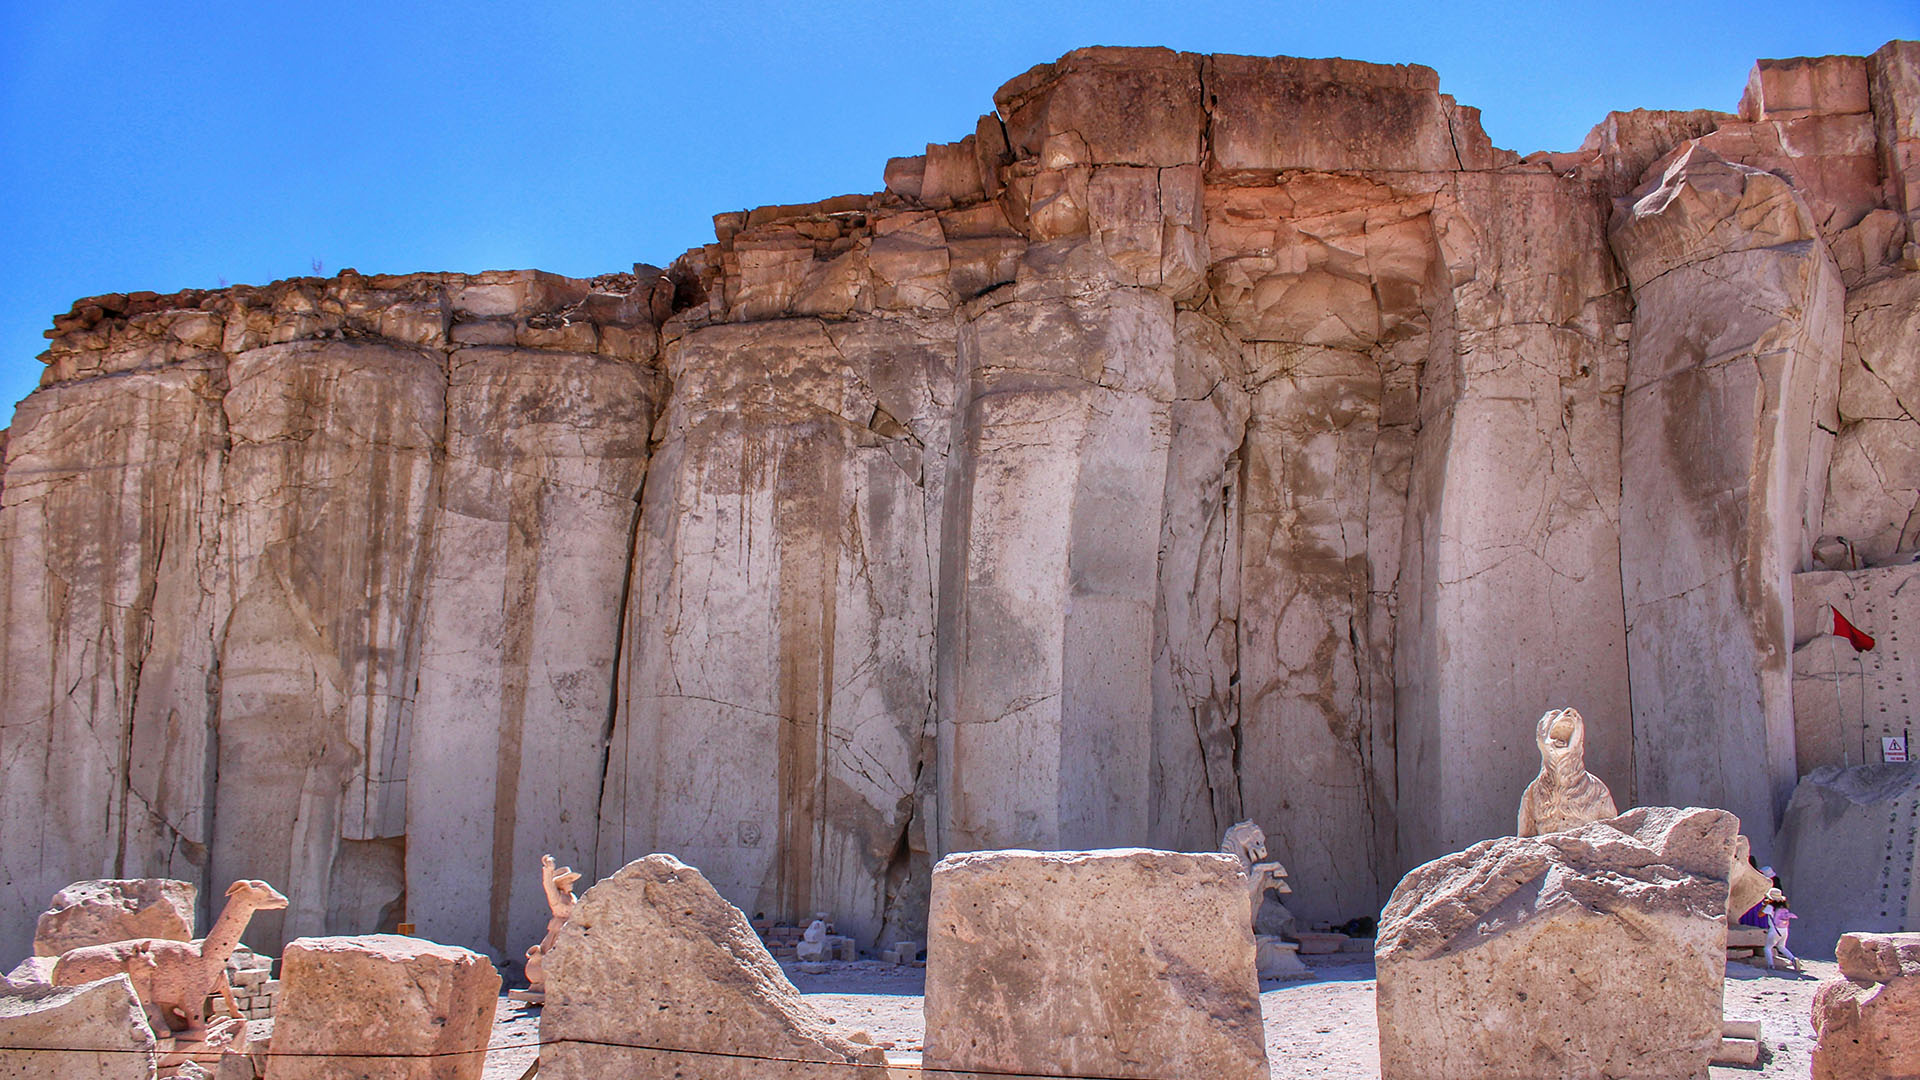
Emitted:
pixel 163 146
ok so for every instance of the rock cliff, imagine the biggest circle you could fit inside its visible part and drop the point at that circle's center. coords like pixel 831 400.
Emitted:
pixel 1200 438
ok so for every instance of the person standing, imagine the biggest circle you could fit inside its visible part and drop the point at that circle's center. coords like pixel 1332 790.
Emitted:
pixel 1779 918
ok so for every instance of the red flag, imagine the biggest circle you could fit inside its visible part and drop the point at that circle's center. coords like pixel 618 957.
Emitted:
pixel 1859 639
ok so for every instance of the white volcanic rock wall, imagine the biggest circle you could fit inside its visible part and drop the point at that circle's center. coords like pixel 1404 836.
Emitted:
pixel 1201 438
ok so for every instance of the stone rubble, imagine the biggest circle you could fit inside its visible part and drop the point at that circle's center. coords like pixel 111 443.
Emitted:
pixel 102 912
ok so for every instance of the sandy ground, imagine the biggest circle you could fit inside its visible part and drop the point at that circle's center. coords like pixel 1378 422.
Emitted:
pixel 1322 1027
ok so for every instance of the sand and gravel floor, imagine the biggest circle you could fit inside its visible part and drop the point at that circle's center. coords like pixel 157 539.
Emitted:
pixel 1321 1028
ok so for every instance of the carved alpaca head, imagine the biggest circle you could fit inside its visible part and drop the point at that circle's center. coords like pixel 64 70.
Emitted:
pixel 1562 738
pixel 257 894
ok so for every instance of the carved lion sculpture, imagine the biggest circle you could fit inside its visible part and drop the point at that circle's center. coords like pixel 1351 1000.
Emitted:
pixel 1248 842
pixel 1565 795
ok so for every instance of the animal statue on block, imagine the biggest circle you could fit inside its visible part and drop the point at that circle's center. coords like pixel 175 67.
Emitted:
pixel 1565 795
pixel 174 978
pixel 1248 842
pixel 558 883
pixel 1274 958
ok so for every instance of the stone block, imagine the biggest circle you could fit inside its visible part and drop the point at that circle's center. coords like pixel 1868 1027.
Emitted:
pixel 1014 935
pixel 99 912
pixel 1277 959
pixel 655 974
pixel 1805 86
pixel 1593 953
pixel 1283 112
pixel 95 1031
pixel 1160 123
pixel 429 1006
pixel 31 972
pixel 1868 1029
pixel 1314 944
pixel 1878 958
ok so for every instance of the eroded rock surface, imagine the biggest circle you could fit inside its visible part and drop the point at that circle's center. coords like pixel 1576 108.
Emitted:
pixel 1197 439
pixel 1598 952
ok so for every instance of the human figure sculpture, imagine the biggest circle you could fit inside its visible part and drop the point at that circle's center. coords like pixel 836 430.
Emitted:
pixel 174 978
pixel 558 883
pixel 1248 842
pixel 1565 795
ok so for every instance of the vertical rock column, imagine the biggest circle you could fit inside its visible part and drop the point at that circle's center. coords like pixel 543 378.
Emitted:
pixel 1324 277
pixel 1509 600
pixel 777 664
pixel 1893 87
pixel 546 452
pixel 108 538
pixel 1051 734
pixel 1737 329
pixel 1046 741
pixel 330 490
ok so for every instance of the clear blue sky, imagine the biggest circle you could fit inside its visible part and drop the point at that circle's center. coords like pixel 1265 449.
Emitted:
pixel 156 145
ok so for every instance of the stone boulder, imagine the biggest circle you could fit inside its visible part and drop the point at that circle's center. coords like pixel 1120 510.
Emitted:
pixel 1878 958
pixel 1867 1023
pixel 99 912
pixel 29 973
pixel 655 975
pixel 1117 963
pixel 96 1031
pixel 1593 953
pixel 429 1006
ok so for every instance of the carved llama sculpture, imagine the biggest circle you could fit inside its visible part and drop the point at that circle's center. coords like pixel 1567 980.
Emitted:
pixel 173 978
pixel 558 882
pixel 1565 795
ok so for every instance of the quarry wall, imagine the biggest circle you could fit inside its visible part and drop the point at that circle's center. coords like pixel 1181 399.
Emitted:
pixel 1201 438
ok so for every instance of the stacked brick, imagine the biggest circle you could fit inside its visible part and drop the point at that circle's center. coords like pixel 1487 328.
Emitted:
pixel 783 941
pixel 254 987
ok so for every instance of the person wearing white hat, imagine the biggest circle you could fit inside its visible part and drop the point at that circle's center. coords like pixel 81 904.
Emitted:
pixel 1778 918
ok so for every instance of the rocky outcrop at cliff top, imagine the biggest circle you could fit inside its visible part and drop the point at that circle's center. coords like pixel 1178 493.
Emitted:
pixel 1201 438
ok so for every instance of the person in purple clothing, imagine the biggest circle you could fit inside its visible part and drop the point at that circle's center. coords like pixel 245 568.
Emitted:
pixel 1778 918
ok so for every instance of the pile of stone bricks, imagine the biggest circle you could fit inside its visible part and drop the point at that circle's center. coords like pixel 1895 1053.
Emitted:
pixel 254 987
pixel 779 938
pixel 783 941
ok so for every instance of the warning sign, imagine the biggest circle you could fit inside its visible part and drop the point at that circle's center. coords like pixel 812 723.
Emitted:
pixel 1893 748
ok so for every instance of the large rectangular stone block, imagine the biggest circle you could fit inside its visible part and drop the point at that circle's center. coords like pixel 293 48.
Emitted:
pixel 346 1000
pixel 1117 963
